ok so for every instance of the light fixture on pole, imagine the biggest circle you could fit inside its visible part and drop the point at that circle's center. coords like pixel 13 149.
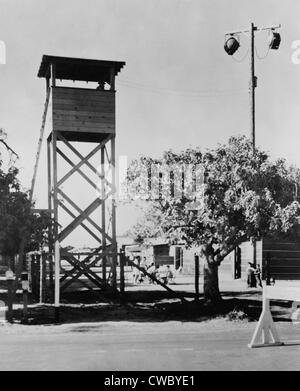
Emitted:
pixel 274 40
pixel 231 45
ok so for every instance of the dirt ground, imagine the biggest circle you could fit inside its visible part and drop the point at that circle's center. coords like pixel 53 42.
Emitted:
pixel 149 329
pixel 149 302
pixel 215 344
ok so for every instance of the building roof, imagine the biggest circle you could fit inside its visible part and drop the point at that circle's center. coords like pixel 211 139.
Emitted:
pixel 69 68
pixel 133 247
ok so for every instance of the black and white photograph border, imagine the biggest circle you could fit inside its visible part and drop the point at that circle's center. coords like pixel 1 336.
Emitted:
pixel 149 188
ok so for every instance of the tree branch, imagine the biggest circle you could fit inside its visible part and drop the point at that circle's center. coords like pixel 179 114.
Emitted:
pixel 9 149
pixel 221 254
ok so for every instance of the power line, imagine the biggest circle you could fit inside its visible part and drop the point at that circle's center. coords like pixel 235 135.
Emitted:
pixel 180 92
pixel 241 59
pixel 264 56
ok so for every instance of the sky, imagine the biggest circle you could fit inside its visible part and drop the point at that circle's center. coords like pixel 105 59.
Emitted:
pixel 178 89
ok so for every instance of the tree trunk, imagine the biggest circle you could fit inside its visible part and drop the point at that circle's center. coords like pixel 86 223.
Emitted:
pixel 211 282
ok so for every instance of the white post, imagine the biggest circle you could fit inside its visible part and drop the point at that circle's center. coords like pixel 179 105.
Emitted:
pixel 41 277
pixel 266 313
pixel 265 328
pixel 57 278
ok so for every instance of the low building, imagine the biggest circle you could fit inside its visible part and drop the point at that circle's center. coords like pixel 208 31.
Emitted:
pixel 278 258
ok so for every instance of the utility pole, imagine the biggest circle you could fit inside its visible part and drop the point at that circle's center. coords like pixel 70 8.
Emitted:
pixel 231 46
pixel 253 84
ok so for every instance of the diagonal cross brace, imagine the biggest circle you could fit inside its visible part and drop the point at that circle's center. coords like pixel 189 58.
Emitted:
pixel 79 219
pixel 87 272
pixel 84 261
pixel 86 285
pixel 78 154
pixel 69 274
pixel 83 160
pixel 72 271
pixel 76 170
pixel 79 210
pixel 90 278
pixel 40 144
pixel 82 224
pixel 80 271
pixel 143 270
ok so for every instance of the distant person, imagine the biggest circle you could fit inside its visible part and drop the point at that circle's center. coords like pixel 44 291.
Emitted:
pixel 141 275
pixel 157 273
pixel 257 274
pixel 163 274
pixel 144 263
pixel 154 273
pixel 179 270
pixel 136 273
pixel 169 275
pixel 250 274
pixel 151 271
pixel 151 268
pixel 138 276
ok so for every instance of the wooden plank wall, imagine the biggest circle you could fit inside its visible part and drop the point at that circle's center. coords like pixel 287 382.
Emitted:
pixel 161 260
pixel 83 110
pixel 161 252
pixel 284 259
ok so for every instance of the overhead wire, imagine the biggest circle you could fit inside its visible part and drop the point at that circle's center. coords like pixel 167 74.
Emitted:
pixel 179 92
pixel 241 59
pixel 261 57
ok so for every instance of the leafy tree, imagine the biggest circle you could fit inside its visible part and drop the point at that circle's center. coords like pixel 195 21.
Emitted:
pixel 244 196
pixel 148 226
pixel 17 218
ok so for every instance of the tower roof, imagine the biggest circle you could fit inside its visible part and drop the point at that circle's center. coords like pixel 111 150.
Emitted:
pixel 69 68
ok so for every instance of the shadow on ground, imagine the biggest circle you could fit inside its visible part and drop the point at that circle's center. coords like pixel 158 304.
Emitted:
pixel 154 306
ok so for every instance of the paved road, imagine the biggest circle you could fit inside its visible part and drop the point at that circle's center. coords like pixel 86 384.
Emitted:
pixel 216 344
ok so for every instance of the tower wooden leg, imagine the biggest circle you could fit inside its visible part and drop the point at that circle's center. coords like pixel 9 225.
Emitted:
pixel 57 281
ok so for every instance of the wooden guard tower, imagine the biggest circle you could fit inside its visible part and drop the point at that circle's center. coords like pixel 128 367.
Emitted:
pixel 82 115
